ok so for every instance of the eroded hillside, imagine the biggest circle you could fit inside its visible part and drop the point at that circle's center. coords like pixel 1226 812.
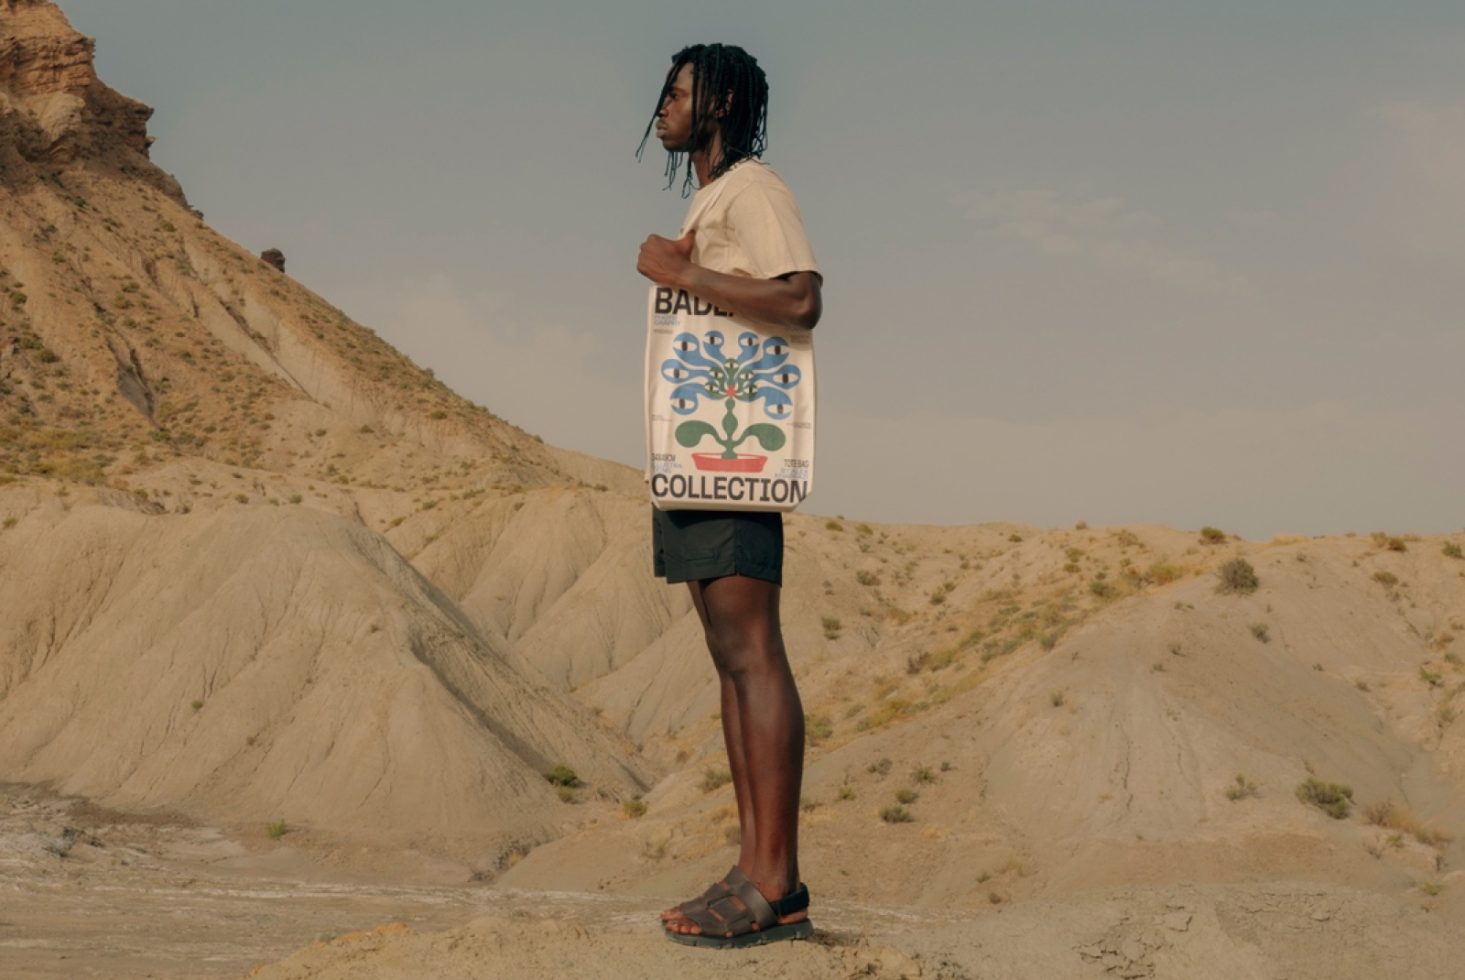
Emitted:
pixel 258 569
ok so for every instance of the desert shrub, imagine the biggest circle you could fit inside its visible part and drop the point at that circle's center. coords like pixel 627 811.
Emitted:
pixel 276 830
pixel 896 814
pixel 563 775
pixel 1334 799
pixel 1057 698
pixel 817 728
pixel 833 526
pixel 905 795
pixel 1259 630
pixel 923 774
pixel 1101 588
pixel 1237 576
pixel 1240 789
pixel 1163 573
pixel 845 792
pixel 1452 550
pixel 867 578
pixel 713 779
pixel 1388 814
pixel 1387 579
pixel 832 626
pixel 1430 677
pixel 887 711
pixel 565 793
pixel 1212 535
pixel 880 768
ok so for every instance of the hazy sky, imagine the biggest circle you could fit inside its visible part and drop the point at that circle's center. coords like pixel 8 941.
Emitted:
pixel 1182 263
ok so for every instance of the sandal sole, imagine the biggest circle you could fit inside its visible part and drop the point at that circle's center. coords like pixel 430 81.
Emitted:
pixel 773 934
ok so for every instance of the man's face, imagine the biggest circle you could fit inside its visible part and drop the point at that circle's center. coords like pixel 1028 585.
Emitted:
pixel 674 118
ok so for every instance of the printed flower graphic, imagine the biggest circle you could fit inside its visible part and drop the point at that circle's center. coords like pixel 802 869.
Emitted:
pixel 759 372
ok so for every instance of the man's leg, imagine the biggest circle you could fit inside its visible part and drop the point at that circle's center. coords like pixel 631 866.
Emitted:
pixel 742 619
pixel 733 740
pixel 732 736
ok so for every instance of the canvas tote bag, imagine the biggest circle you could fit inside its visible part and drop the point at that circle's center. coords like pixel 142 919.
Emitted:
pixel 729 407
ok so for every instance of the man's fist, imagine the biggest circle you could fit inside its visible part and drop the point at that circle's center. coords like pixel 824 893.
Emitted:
pixel 664 260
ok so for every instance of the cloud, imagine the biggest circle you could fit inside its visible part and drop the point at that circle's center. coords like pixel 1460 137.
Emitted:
pixel 1317 468
pixel 561 383
pixel 1103 230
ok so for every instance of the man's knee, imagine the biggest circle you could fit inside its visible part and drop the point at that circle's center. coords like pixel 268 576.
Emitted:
pixel 743 649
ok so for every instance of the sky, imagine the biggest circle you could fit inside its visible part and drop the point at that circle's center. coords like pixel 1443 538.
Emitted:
pixel 1133 262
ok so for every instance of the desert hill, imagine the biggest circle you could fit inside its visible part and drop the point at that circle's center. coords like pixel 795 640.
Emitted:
pixel 260 570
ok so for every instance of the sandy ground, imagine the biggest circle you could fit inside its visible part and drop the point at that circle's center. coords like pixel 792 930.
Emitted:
pixel 88 893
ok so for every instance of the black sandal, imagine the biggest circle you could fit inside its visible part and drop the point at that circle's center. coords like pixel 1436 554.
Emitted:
pixel 743 917
pixel 716 890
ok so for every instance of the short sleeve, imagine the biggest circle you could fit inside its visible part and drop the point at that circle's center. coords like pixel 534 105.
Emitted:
pixel 765 222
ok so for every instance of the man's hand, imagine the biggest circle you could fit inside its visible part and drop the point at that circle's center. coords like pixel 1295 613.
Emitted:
pixel 666 261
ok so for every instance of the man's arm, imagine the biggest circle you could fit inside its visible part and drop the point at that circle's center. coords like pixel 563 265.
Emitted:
pixel 792 300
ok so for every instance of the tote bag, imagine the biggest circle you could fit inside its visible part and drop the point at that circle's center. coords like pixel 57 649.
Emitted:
pixel 729 406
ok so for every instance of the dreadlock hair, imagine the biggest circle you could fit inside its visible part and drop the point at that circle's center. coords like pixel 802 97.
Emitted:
pixel 729 87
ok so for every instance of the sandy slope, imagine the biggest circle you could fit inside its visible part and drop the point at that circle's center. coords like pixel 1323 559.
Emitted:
pixel 256 665
pixel 257 566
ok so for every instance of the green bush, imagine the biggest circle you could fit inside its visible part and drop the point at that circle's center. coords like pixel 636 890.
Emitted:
pixel 1333 799
pixel 1237 576
pixel 714 779
pixel 896 814
pixel 563 775
pixel 1212 535
pixel 1241 789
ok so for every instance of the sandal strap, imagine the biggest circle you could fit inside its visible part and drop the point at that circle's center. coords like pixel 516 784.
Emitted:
pixel 716 890
pixel 737 913
pixel 795 901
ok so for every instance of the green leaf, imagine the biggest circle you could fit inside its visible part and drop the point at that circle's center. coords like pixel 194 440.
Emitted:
pixel 770 437
pixel 691 432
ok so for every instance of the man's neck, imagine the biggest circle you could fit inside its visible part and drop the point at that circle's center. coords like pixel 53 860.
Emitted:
pixel 703 160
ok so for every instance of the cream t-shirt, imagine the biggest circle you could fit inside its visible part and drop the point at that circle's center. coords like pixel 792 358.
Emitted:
pixel 747 224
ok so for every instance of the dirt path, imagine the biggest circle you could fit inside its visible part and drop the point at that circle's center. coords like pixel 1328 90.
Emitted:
pixel 88 893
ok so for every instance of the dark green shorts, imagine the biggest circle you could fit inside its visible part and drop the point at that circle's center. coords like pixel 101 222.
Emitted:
pixel 691 545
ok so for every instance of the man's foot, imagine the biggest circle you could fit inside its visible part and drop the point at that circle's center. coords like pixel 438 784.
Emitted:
pixel 714 891
pixel 743 917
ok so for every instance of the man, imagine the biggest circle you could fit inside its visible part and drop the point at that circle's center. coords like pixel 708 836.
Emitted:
pixel 745 251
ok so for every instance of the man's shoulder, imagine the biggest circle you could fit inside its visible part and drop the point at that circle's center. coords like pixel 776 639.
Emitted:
pixel 752 172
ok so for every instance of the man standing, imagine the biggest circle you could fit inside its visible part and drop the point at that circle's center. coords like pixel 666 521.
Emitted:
pixel 744 250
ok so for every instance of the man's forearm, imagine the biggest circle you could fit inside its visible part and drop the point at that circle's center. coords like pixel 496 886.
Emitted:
pixel 792 301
